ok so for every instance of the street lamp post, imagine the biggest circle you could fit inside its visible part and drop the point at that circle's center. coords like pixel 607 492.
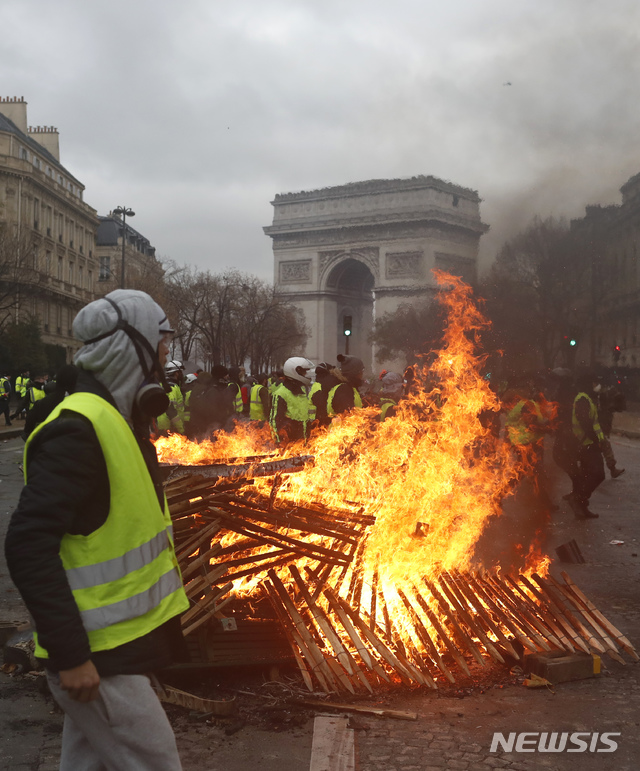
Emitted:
pixel 123 212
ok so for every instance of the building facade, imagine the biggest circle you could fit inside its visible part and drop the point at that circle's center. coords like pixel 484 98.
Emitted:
pixel 135 268
pixel 346 255
pixel 42 209
pixel 610 236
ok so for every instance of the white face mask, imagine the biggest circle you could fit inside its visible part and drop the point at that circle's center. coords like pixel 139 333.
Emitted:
pixel 597 388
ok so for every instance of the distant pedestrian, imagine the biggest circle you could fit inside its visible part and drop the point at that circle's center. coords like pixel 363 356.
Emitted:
pixel 5 397
pixel 211 405
pixel 345 396
pixel 391 391
pixel 290 416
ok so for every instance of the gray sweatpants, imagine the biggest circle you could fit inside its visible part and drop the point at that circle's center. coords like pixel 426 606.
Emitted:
pixel 124 729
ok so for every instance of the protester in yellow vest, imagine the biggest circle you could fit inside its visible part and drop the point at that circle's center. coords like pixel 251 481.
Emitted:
pixel 5 396
pixel 290 414
pixel 173 419
pixel 345 396
pixel 259 398
pixel 589 471
pixel 90 544
pixel 391 390
pixel 326 378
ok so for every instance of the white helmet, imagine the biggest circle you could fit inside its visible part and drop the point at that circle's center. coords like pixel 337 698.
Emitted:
pixel 190 378
pixel 296 368
pixel 173 366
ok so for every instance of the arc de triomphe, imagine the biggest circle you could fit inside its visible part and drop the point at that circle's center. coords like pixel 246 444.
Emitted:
pixel 359 250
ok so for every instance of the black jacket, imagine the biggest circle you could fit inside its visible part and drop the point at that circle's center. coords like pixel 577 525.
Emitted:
pixel 68 492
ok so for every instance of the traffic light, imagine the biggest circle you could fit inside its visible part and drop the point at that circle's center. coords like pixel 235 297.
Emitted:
pixel 616 353
pixel 346 326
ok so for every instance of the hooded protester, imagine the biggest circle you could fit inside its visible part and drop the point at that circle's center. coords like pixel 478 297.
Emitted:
pixel 391 391
pixel 345 396
pixel 326 378
pixel 211 404
pixel 63 384
pixel 89 545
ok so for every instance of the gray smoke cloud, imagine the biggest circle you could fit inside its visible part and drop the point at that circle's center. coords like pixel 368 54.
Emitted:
pixel 196 114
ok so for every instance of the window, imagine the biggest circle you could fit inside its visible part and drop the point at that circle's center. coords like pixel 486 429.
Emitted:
pixel 24 154
pixel 81 277
pixel 47 264
pixel 71 273
pixel 105 268
pixel 45 315
pixel 90 280
pixel 36 213
pixel 36 162
pixel 60 269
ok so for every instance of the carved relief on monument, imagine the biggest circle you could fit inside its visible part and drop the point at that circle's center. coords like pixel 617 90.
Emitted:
pixel 465 267
pixel 295 272
pixel 404 265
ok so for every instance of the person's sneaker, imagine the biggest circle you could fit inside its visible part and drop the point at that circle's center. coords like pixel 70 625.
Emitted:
pixel 616 472
pixel 589 514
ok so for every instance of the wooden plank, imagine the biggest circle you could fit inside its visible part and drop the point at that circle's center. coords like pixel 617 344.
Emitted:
pixel 556 634
pixel 524 606
pixel 424 636
pixel 333 746
pixel 435 623
pixel 379 711
pixel 622 641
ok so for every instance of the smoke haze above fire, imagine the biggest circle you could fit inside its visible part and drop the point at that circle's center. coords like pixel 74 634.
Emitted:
pixel 196 114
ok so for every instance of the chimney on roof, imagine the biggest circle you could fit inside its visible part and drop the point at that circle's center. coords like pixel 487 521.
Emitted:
pixel 16 110
pixel 48 137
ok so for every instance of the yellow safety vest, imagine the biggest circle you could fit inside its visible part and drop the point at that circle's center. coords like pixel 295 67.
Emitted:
pixel 35 394
pixel 593 416
pixel 315 387
pixel 124 576
pixel 357 401
pixel 385 406
pixel 176 423
pixel 518 432
pixel 21 385
pixel 256 410
pixel 297 408
pixel 237 402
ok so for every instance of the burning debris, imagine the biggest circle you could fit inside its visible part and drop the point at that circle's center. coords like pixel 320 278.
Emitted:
pixel 365 545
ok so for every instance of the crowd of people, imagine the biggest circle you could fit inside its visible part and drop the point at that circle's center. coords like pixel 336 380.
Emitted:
pixel 293 401
pixel 576 410
pixel 90 545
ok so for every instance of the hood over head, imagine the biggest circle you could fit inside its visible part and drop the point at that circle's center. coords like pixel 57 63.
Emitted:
pixel 351 367
pixel 392 385
pixel 113 358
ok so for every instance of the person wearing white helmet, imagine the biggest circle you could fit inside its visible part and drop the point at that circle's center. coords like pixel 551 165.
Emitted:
pixel 174 418
pixel 290 413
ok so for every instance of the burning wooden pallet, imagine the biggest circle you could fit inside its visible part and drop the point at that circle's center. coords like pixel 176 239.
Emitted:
pixel 349 630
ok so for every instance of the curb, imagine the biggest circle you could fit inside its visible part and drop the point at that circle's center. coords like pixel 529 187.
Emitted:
pixel 11 433
pixel 625 433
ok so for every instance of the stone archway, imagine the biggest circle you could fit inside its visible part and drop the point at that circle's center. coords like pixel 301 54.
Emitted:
pixel 349 291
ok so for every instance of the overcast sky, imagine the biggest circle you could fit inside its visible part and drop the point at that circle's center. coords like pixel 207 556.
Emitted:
pixel 195 113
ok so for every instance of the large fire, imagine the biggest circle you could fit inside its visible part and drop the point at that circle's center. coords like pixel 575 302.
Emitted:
pixel 432 476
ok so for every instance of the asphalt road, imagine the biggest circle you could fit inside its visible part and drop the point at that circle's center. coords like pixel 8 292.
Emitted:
pixel 455 726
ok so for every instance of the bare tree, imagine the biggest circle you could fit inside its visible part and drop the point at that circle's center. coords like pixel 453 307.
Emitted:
pixel 536 295
pixel 21 276
pixel 235 317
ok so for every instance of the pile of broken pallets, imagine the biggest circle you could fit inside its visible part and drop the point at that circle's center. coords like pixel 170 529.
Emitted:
pixel 308 562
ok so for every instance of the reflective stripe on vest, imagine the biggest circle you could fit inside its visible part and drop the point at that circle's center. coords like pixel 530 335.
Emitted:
pixel 35 394
pixel 357 401
pixel 256 410
pixel 593 416
pixel 237 402
pixel 297 408
pixel 124 576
